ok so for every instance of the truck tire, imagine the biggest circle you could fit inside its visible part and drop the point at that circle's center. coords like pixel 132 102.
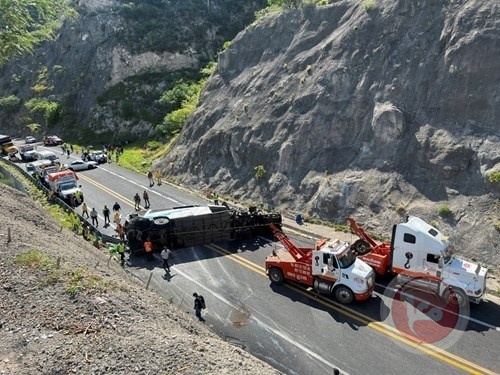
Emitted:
pixel 344 295
pixel 276 275
pixel 361 247
pixel 456 297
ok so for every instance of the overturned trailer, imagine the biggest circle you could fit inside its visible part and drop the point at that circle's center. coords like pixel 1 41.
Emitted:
pixel 186 226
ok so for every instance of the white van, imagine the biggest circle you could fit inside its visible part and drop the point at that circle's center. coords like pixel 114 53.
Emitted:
pixel 47 155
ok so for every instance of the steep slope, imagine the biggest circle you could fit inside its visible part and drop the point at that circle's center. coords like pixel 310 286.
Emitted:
pixel 107 69
pixel 351 109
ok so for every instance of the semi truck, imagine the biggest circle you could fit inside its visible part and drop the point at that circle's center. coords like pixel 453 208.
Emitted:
pixel 195 225
pixel 7 146
pixel 424 259
pixel 331 267
pixel 65 185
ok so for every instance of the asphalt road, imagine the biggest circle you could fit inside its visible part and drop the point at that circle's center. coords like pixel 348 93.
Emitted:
pixel 292 329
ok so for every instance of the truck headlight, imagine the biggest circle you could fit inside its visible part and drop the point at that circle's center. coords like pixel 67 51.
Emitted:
pixel 359 280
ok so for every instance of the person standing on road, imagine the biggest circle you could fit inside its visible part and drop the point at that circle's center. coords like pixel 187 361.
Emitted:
pixel 85 210
pixel 137 201
pixel 148 247
pixel 116 207
pixel 105 213
pixel 158 177
pixel 165 253
pixel 198 305
pixel 93 216
pixel 117 218
pixel 145 196
pixel 215 197
pixel 120 229
pixel 121 251
pixel 150 178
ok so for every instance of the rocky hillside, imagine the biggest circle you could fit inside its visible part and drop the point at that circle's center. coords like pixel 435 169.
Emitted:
pixel 82 314
pixel 101 79
pixel 376 109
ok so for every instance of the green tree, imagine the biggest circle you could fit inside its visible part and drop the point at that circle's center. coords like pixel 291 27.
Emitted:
pixel 25 23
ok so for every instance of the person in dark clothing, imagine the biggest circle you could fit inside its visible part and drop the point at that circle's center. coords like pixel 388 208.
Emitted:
pixel 145 196
pixel 116 207
pixel 165 253
pixel 137 201
pixel 105 213
pixel 197 307
pixel 150 178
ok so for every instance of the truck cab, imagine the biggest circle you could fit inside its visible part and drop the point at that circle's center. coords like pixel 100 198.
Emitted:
pixel 336 262
pixel 332 267
pixel 64 183
pixel 425 258
pixel 7 146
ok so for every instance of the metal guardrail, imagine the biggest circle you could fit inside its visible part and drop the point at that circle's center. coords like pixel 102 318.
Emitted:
pixel 103 236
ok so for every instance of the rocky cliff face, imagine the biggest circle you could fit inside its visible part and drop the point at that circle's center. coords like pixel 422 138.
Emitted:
pixel 376 112
pixel 107 69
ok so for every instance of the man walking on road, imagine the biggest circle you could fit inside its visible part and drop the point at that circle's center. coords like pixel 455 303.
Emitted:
pixel 150 178
pixel 85 210
pixel 105 213
pixel 198 305
pixel 137 201
pixel 93 215
pixel 165 253
pixel 145 196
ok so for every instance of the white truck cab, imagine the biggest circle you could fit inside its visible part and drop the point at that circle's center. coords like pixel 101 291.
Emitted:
pixel 424 257
pixel 336 264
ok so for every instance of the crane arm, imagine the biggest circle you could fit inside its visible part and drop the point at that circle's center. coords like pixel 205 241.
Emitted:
pixel 296 253
pixel 360 232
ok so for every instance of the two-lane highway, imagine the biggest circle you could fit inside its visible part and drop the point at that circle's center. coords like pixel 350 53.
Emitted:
pixel 292 329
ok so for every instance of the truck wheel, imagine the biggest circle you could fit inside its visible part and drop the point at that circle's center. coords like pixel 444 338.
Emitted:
pixel 361 247
pixel 344 295
pixel 276 276
pixel 456 297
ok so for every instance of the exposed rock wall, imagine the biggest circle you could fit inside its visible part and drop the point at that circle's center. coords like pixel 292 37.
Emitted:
pixel 376 113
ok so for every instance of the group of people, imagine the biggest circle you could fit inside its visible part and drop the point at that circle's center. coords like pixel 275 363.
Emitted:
pixel 157 175
pixel 137 200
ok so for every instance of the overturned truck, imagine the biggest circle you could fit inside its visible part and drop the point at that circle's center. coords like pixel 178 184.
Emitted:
pixel 186 226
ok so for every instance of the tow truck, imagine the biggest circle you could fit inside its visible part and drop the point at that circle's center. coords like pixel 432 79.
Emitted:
pixel 331 267
pixel 423 258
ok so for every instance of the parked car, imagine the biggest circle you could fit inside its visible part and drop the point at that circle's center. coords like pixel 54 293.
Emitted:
pixel 80 165
pixel 30 139
pixel 28 153
pixel 52 140
pixel 99 156
pixel 46 155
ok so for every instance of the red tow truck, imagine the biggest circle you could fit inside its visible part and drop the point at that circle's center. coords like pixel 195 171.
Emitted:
pixel 423 258
pixel 331 267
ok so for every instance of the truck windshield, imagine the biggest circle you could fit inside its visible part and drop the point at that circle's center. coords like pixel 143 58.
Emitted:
pixel 67 186
pixel 347 258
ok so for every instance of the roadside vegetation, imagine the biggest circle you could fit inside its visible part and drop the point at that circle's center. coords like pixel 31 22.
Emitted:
pixel 75 280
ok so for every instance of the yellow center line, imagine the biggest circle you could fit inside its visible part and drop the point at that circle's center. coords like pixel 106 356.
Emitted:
pixel 109 191
pixel 431 350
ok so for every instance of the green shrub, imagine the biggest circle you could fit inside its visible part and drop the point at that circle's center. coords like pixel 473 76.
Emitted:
pixel 400 208
pixel 494 177
pixel 9 102
pixel 227 44
pixel 34 259
pixel 444 210
pixel 260 171
pixel 496 225
pixel 51 111
pixel 154 145
pixel 369 5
